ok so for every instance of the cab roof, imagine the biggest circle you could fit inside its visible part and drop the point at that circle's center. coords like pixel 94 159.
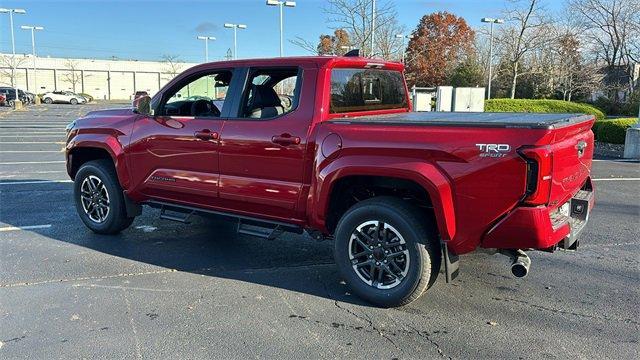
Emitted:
pixel 318 61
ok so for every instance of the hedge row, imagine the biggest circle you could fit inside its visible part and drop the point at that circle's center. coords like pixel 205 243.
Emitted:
pixel 612 131
pixel 541 106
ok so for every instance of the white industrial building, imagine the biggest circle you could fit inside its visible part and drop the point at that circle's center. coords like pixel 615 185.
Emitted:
pixel 102 79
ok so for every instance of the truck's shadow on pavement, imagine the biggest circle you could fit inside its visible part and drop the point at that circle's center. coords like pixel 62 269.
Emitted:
pixel 208 246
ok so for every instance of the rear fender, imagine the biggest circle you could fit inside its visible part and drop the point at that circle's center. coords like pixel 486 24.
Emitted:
pixel 427 175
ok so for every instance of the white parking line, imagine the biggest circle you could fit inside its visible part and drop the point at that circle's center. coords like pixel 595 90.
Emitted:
pixel 31 151
pixel 5 173
pixel 27 135
pixel 19 228
pixel 32 142
pixel 617 160
pixel 32 162
pixel 617 179
pixel 36 182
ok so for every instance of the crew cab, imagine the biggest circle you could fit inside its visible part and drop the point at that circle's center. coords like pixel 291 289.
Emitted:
pixel 329 146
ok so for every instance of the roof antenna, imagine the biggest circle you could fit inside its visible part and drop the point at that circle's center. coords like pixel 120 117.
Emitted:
pixel 353 53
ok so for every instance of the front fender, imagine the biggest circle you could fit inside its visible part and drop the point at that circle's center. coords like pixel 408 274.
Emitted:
pixel 108 141
pixel 426 174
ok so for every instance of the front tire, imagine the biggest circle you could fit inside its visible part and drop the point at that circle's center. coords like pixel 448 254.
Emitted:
pixel 387 251
pixel 99 198
pixel 73 102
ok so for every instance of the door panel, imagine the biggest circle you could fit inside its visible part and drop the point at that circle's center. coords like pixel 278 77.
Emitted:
pixel 261 160
pixel 169 162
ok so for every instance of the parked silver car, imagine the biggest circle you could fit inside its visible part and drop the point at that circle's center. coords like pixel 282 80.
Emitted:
pixel 66 97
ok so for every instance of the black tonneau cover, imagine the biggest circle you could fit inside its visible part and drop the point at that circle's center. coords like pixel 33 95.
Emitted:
pixel 472 119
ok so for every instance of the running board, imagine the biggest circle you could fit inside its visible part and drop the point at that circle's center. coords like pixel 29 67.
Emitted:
pixel 175 214
pixel 267 229
pixel 260 231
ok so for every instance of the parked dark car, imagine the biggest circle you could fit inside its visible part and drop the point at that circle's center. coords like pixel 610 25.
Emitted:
pixel 10 95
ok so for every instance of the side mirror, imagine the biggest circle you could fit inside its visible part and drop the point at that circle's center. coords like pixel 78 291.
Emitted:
pixel 142 105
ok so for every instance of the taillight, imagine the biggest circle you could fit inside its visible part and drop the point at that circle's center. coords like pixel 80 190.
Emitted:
pixel 539 167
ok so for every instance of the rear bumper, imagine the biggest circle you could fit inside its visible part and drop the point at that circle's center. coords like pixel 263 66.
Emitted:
pixel 542 227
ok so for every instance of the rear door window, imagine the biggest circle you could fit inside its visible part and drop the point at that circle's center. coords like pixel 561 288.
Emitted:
pixel 366 90
pixel 271 92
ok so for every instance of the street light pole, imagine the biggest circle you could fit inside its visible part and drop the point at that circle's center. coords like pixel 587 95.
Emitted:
pixel 13 48
pixel 281 4
pixel 403 37
pixel 206 45
pixel 491 21
pixel 33 51
pixel 373 27
pixel 235 28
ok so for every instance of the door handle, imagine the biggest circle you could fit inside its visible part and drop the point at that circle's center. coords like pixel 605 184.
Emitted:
pixel 206 134
pixel 285 139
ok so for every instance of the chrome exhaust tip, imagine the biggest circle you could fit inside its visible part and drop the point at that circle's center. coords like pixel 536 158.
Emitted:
pixel 520 267
pixel 520 262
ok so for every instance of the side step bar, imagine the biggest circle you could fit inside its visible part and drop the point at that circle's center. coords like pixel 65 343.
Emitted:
pixel 266 229
pixel 175 214
pixel 260 231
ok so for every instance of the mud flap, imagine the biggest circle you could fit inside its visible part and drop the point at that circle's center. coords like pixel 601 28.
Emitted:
pixel 451 268
pixel 133 209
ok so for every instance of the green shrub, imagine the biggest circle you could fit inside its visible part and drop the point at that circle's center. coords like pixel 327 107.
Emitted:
pixel 541 106
pixel 612 130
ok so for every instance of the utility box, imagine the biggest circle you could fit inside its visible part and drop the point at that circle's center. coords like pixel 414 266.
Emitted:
pixel 422 101
pixel 467 99
pixel 443 98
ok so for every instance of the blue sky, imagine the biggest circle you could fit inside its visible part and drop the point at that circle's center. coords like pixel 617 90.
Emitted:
pixel 146 29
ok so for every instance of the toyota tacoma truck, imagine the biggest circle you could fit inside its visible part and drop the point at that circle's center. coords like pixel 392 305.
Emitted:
pixel 329 146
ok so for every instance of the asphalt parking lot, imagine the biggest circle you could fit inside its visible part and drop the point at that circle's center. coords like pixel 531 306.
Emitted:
pixel 168 290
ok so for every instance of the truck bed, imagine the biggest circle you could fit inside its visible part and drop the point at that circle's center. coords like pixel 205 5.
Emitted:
pixel 473 119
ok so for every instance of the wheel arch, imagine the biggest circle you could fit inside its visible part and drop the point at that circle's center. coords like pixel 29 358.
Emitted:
pixel 84 151
pixel 413 174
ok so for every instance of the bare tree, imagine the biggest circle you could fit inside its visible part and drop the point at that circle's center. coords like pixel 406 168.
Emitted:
pixel 355 17
pixel 172 65
pixel 612 28
pixel 574 73
pixel 527 30
pixel 306 45
pixel 336 44
pixel 71 75
pixel 7 65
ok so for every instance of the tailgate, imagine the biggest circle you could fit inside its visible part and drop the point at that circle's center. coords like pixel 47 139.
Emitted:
pixel 572 152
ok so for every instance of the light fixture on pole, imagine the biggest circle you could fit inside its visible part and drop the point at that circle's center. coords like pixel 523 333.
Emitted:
pixel 235 28
pixel 403 37
pixel 33 51
pixel 206 45
pixel 491 21
pixel 281 4
pixel 13 46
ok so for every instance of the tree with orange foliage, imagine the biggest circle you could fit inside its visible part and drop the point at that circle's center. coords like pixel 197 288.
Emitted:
pixel 439 44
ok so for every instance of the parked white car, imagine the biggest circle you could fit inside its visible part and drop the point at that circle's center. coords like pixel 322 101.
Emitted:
pixel 66 97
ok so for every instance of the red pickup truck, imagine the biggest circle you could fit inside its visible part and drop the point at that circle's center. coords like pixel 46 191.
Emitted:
pixel 329 146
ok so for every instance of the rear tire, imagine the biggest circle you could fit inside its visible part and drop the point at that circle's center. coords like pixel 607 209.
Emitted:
pixel 12 103
pixel 48 101
pixel 99 198
pixel 394 231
